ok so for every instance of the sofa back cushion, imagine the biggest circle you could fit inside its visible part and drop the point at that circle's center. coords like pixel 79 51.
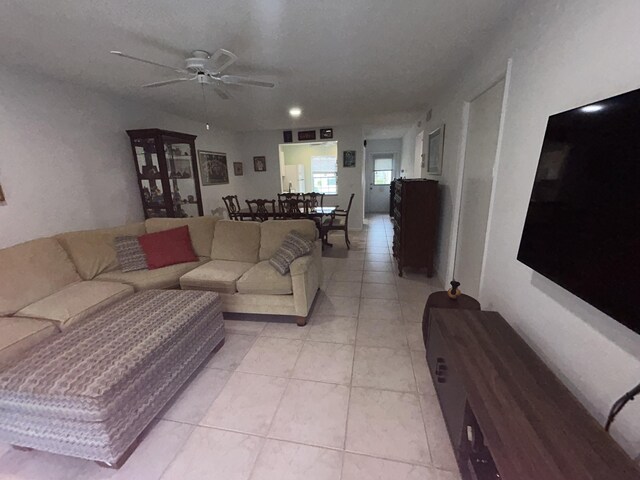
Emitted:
pixel 31 271
pixel 167 247
pixel 200 230
pixel 273 233
pixel 237 241
pixel 93 251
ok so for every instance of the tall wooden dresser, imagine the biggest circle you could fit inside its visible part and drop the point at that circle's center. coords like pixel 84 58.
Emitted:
pixel 415 222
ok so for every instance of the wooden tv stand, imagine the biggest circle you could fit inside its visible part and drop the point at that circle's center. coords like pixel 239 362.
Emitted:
pixel 507 414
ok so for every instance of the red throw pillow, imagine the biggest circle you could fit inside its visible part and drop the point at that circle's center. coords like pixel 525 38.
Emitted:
pixel 167 247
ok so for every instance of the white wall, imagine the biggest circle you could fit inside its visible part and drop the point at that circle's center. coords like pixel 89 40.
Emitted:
pixel 408 164
pixel 565 54
pixel 66 162
pixel 267 184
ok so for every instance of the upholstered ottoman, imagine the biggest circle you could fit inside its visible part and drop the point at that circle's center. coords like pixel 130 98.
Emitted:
pixel 91 391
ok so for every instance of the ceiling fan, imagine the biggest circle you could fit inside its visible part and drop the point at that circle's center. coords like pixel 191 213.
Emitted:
pixel 207 69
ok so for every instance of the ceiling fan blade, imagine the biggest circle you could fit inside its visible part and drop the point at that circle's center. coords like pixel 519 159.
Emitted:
pixel 222 53
pixel 221 92
pixel 166 82
pixel 238 80
pixel 175 69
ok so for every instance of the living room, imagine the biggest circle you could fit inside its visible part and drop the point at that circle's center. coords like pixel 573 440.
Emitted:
pixel 368 71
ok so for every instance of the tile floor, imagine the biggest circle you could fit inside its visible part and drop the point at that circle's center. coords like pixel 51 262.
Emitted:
pixel 346 397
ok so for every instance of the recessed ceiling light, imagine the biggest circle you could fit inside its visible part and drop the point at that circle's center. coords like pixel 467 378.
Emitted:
pixel 295 112
pixel 592 108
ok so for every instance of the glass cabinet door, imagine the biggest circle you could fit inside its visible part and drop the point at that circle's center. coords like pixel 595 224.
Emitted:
pixel 182 179
pixel 150 177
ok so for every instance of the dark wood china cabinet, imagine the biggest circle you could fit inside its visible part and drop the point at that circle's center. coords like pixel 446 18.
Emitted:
pixel 167 173
pixel 415 223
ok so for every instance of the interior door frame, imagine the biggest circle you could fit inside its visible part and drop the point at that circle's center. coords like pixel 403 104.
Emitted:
pixel 506 77
pixel 369 180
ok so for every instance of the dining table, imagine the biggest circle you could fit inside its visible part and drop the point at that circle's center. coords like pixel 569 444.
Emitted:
pixel 316 212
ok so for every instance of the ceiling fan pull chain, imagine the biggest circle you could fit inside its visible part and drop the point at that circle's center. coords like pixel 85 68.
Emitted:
pixel 204 102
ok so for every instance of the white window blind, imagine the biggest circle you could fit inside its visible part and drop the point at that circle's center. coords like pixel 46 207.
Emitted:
pixel 383 164
pixel 324 171
pixel 382 170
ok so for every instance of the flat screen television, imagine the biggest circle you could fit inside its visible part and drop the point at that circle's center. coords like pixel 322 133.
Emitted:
pixel 582 229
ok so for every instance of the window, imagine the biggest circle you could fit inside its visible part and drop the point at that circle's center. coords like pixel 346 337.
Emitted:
pixel 382 170
pixel 324 171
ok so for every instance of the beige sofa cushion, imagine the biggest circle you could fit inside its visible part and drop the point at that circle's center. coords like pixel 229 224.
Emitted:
pixel 200 230
pixel 264 279
pixel 31 271
pixel 165 277
pixel 74 302
pixel 216 275
pixel 17 335
pixel 236 241
pixel 92 251
pixel 273 232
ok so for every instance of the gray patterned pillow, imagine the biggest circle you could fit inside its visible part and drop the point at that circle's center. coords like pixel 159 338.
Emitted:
pixel 293 246
pixel 130 254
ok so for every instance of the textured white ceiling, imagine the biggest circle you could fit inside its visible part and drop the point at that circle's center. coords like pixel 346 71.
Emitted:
pixel 353 61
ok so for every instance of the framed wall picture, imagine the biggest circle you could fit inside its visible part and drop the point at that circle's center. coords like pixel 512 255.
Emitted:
pixel 238 169
pixel 436 147
pixel 326 133
pixel 213 168
pixel 1 194
pixel 260 164
pixel 306 135
pixel 287 136
pixel 349 158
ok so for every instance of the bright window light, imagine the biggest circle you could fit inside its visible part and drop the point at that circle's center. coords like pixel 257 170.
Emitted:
pixel 382 170
pixel 324 171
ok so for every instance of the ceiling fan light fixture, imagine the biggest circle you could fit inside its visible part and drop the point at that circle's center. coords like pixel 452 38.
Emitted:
pixel 295 112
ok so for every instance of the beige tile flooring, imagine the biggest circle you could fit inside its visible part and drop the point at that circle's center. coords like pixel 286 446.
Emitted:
pixel 346 397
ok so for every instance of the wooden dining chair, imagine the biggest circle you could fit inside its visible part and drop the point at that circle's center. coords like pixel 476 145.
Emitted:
pixel 316 200
pixel 283 197
pixel 338 220
pixel 261 209
pixel 294 208
pixel 233 207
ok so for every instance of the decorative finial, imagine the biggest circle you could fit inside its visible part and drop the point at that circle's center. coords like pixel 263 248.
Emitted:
pixel 454 292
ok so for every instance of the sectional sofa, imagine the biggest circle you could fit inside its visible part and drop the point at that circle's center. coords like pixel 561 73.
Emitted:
pixel 49 284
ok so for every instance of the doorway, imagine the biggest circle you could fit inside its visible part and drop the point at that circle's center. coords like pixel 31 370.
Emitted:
pixel 418 156
pixel 483 130
pixel 309 167
pixel 379 171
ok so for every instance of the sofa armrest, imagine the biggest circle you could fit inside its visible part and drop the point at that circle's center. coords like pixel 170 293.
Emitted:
pixel 306 276
pixel 301 265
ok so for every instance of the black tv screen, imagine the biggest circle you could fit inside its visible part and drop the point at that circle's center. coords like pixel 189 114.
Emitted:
pixel 582 229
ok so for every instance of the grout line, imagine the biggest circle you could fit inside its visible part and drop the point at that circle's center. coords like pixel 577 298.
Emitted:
pixel 325 447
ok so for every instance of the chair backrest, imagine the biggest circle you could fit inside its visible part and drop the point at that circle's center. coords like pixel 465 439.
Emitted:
pixel 288 196
pixel 262 209
pixel 315 199
pixel 294 207
pixel 349 206
pixel 233 206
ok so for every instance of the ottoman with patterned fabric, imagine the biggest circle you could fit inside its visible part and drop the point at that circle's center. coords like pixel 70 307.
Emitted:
pixel 91 391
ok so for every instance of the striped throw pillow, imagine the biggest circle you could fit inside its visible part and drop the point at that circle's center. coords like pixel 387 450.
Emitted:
pixel 293 246
pixel 130 254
